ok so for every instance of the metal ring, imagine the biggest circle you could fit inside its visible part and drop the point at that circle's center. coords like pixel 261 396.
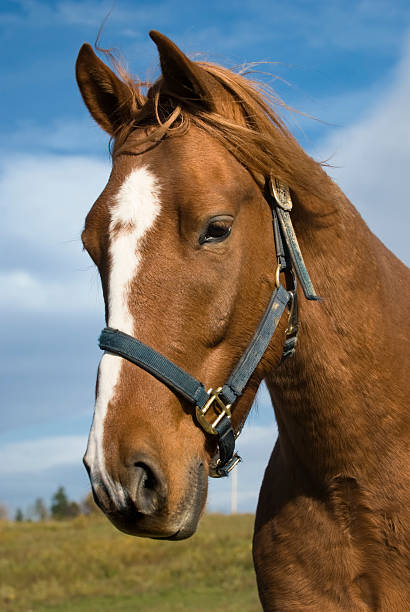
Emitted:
pixel 277 276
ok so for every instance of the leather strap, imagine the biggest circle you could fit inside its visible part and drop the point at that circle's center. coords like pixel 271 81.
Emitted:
pixel 281 254
pixel 296 255
pixel 142 355
pixel 248 363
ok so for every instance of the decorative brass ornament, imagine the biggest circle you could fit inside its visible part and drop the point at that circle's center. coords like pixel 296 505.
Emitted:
pixel 281 193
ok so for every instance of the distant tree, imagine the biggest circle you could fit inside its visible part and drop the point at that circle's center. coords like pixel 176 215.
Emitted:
pixel 88 505
pixel 4 513
pixel 40 511
pixel 19 517
pixel 59 504
pixel 62 507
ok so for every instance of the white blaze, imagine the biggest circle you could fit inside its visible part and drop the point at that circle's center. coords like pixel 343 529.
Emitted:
pixel 135 208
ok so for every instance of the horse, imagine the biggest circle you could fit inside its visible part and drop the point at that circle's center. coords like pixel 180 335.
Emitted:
pixel 187 242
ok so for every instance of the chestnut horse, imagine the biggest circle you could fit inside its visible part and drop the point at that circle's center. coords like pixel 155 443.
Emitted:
pixel 184 243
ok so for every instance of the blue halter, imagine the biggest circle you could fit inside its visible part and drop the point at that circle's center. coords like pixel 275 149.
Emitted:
pixel 213 407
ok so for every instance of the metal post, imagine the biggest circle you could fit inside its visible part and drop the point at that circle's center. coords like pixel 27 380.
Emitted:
pixel 234 496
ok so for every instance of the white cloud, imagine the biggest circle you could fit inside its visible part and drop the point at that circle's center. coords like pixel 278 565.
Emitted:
pixel 46 197
pixel 23 291
pixel 263 437
pixel 62 135
pixel 373 160
pixel 34 456
pixel 44 202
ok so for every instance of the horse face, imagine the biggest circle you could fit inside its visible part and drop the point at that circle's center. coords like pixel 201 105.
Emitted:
pixel 182 237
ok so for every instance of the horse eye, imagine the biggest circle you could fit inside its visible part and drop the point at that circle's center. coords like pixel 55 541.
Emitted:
pixel 216 231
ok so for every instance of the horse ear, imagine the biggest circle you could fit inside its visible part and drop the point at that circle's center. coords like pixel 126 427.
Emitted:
pixel 107 98
pixel 184 80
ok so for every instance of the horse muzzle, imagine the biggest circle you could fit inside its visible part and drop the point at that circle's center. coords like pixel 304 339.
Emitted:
pixel 142 507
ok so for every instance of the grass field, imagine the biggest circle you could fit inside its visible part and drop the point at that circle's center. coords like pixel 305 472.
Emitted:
pixel 86 565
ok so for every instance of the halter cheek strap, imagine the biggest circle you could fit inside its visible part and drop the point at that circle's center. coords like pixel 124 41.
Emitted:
pixel 213 407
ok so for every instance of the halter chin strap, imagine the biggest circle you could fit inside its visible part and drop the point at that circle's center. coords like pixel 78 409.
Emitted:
pixel 213 407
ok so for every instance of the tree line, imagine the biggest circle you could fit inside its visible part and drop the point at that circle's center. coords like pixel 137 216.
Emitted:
pixel 61 508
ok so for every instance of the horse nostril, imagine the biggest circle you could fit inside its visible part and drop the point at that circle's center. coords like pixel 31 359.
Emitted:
pixel 149 488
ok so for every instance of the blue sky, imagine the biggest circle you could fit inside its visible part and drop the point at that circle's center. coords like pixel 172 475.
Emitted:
pixel 345 63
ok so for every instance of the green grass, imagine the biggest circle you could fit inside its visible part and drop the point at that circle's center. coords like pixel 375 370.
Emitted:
pixel 85 565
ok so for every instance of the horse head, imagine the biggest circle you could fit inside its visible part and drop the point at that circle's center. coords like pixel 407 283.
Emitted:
pixel 182 237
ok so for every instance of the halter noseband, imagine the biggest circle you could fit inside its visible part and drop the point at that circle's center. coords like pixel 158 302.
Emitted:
pixel 213 407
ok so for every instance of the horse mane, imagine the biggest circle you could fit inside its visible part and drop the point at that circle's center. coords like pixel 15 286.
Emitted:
pixel 243 120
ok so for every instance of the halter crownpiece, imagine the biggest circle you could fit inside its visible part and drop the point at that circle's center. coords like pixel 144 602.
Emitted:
pixel 213 408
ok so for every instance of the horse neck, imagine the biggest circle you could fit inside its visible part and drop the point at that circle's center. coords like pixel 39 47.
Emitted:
pixel 335 401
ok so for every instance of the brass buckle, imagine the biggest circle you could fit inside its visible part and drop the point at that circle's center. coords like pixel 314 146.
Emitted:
pixel 220 408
